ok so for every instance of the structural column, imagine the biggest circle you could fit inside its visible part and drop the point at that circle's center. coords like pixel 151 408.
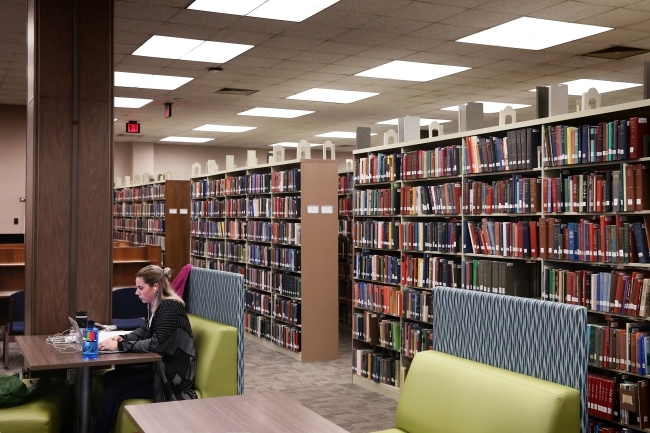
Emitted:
pixel 69 162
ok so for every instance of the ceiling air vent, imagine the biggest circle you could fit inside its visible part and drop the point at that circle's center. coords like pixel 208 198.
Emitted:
pixel 233 91
pixel 617 52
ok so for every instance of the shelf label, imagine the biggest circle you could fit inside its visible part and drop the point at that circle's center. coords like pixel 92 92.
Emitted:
pixel 183 211
pixel 327 209
pixel 173 211
pixel 312 208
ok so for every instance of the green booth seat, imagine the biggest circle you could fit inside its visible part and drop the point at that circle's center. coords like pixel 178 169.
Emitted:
pixel 216 367
pixel 447 394
pixel 45 413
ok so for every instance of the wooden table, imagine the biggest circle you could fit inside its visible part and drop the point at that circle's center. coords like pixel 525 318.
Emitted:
pixel 268 412
pixel 42 356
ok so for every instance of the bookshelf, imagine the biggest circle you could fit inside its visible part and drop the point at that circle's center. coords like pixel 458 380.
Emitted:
pixel 424 209
pixel 155 213
pixel 276 225
pixel 345 249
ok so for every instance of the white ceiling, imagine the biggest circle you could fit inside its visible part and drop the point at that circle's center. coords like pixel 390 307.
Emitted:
pixel 327 49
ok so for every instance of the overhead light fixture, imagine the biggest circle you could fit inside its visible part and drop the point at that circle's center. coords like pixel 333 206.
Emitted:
pixel 533 34
pixel 187 139
pixel 578 87
pixel 491 107
pixel 224 128
pixel 291 144
pixel 423 121
pixel 411 71
pixel 285 10
pixel 275 112
pixel 121 102
pixel 339 134
pixel 166 47
pixel 149 81
pixel 331 95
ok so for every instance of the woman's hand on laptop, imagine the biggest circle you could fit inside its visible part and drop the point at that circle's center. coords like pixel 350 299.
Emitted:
pixel 110 343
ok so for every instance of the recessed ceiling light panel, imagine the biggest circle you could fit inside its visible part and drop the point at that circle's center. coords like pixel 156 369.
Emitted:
pixel 490 107
pixel 275 112
pixel 292 144
pixel 121 102
pixel 195 50
pixel 578 87
pixel 339 134
pixel 411 71
pixel 224 128
pixel 331 95
pixel 533 34
pixel 148 81
pixel 285 10
pixel 423 121
pixel 239 7
pixel 186 139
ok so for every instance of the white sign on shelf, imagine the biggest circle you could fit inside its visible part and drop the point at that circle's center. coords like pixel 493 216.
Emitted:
pixel 173 211
pixel 312 208
pixel 327 209
pixel 183 211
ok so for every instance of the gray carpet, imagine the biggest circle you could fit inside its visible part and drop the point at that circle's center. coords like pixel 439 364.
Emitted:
pixel 324 387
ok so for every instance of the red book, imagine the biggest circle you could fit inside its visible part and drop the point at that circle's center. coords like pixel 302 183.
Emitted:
pixel 534 248
pixel 599 195
pixel 605 221
pixel 638 128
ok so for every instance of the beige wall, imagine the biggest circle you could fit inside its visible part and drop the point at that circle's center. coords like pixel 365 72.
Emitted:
pixel 13 162
pixel 179 158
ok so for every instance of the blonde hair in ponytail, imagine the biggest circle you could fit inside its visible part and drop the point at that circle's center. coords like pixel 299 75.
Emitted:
pixel 153 274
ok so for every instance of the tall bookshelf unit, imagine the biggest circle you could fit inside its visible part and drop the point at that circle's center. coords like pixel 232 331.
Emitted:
pixel 156 213
pixel 388 308
pixel 345 248
pixel 276 225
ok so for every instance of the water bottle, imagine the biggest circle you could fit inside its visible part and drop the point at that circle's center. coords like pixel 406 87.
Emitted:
pixel 90 336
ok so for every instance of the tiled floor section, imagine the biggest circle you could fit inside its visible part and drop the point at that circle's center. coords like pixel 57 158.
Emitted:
pixel 324 387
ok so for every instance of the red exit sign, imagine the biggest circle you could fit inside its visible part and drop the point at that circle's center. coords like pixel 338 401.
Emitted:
pixel 133 127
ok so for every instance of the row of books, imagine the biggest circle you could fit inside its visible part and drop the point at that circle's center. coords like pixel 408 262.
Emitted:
pixel 606 141
pixel 384 201
pixel 270 281
pixel 235 185
pixel 285 336
pixel 345 271
pixel 517 195
pixel 236 268
pixel 259 183
pixel 345 292
pixel 611 292
pixel 286 311
pixel 377 366
pixel 237 207
pixel 138 193
pixel 138 238
pixel 501 238
pixel 416 338
pixel 345 206
pixel 260 303
pixel 212 208
pixel 208 248
pixel 140 224
pixel 617 190
pixel 280 258
pixel 260 326
pixel 501 277
pixel 516 151
pixel 375 267
pixel 428 271
pixel 377 330
pixel 619 345
pixel 618 398
pixel 441 199
pixel 236 251
pixel 154 209
pixel 286 207
pixel 286 180
pixel 424 164
pixel 216 265
pixel 345 227
pixel 442 236
pixel 377 297
pixel 345 247
pixel 346 185
pixel 281 233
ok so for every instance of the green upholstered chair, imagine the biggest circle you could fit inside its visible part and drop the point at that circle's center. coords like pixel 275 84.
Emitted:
pixel 216 366
pixel 447 394
pixel 45 413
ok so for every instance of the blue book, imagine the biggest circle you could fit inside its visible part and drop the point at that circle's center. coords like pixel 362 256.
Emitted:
pixel 572 227
pixel 641 242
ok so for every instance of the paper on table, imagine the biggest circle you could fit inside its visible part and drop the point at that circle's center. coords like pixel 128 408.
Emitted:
pixel 105 335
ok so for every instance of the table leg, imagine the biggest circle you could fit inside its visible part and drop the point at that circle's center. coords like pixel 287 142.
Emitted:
pixel 82 398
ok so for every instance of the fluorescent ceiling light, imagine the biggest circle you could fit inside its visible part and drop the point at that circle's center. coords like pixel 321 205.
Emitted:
pixel 291 144
pixel 224 128
pixel 275 112
pixel 411 71
pixel 490 107
pixel 423 122
pixel 187 139
pixel 533 34
pixel 331 95
pixel 130 102
pixel 195 50
pixel 285 10
pixel 339 134
pixel 149 81
pixel 578 87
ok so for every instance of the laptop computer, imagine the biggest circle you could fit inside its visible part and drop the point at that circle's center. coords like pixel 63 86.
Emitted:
pixel 103 335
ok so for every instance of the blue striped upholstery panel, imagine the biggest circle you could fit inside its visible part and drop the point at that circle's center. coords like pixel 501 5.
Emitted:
pixel 219 296
pixel 542 339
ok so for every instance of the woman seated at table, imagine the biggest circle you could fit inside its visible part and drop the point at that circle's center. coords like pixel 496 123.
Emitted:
pixel 167 333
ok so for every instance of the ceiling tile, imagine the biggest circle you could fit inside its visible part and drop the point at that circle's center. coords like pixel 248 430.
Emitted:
pixel 291 43
pixel 412 43
pixel 620 17
pixel 130 38
pixel 307 30
pixel 138 10
pixel 319 76
pixel 509 65
pixel 426 12
pixel 363 62
pixel 258 62
pixel 185 31
pixel 575 10
pixel 386 53
pixel 131 25
pixel 517 7
pixel 240 37
pixel 318 57
pixel 272 52
pixel 298 66
pixel 444 32
pixel 377 7
pixel 616 3
pixel 479 19
pixel 365 37
pixel 260 25
pixel 341 18
pixel 395 25
pixel 204 19
pixel 125 49
pixel 426 57
pixel 340 48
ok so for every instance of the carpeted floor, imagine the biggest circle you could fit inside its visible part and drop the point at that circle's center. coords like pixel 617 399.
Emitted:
pixel 324 387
